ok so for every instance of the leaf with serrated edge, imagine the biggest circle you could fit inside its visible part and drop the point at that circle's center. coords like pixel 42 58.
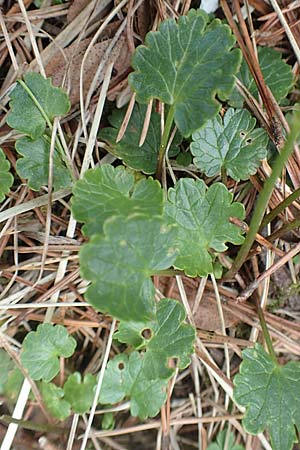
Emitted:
pixel 277 73
pixel 25 116
pixel 55 403
pixel 271 395
pixel 185 65
pixel 34 166
pixel 6 178
pixel 142 158
pixel 80 393
pixel 42 349
pixel 203 218
pixel 108 191
pixel 124 377
pixel 120 263
pixel 231 144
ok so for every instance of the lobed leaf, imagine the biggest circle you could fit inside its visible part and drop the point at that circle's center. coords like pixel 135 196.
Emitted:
pixel 270 394
pixel 34 166
pixel 231 144
pixel 120 262
pixel 125 377
pixel 186 65
pixel 42 349
pixel 29 113
pixel 6 178
pixel 55 403
pixel 202 216
pixel 108 191
pixel 277 73
pixel 80 393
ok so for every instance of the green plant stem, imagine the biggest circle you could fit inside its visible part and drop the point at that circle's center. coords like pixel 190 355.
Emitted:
pixel 164 142
pixel 284 229
pixel 30 425
pixel 281 207
pixel 49 123
pixel 266 333
pixel 265 195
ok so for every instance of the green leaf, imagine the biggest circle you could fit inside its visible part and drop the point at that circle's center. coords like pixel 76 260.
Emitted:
pixel 120 263
pixel 124 377
pixel 271 395
pixel 186 65
pixel 80 394
pixel 231 144
pixel 134 333
pixel 14 383
pixel 142 158
pixel 28 115
pixel 6 178
pixel 6 366
pixel 277 73
pixel 53 398
pixel 203 218
pixel 42 349
pixel 221 440
pixel 34 165
pixel 108 191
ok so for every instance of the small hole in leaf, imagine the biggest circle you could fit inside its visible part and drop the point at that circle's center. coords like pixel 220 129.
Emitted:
pixel 248 141
pixel 242 134
pixel 147 333
pixel 173 363
pixel 121 366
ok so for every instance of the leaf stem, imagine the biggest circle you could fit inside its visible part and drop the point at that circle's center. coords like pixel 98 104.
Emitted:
pixel 266 333
pixel 265 195
pixel 164 142
pixel 281 207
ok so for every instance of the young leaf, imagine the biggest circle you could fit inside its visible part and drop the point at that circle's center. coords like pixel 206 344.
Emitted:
pixel 221 440
pixel 80 394
pixel 34 165
pixel 231 144
pixel 124 377
pixel 277 74
pixel 108 191
pixel 203 218
pixel 142 158
pixel 29 113
pixel 134 333
pixel 185 65
pixel 6 178
pixel 120 263
pixel 270 393
pixel 53 398
pixel 42 349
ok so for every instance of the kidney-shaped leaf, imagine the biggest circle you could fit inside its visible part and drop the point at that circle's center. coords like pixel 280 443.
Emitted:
pixel 121 262
pixel 108 191
pixel 125 377
pixel 185 65
pixel 203 218
pixel 42 349
pixel 29 112
pixel 34 164
pixel 80 393
pixel 277 73
pixel 6 178
pixel 271 395
pixel 232 145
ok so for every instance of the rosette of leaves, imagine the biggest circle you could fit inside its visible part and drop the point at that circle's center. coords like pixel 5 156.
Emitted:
pixel 230 144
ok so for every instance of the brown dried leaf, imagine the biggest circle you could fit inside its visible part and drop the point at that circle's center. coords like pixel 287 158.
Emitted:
pixel 68 63
pixel 76 7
